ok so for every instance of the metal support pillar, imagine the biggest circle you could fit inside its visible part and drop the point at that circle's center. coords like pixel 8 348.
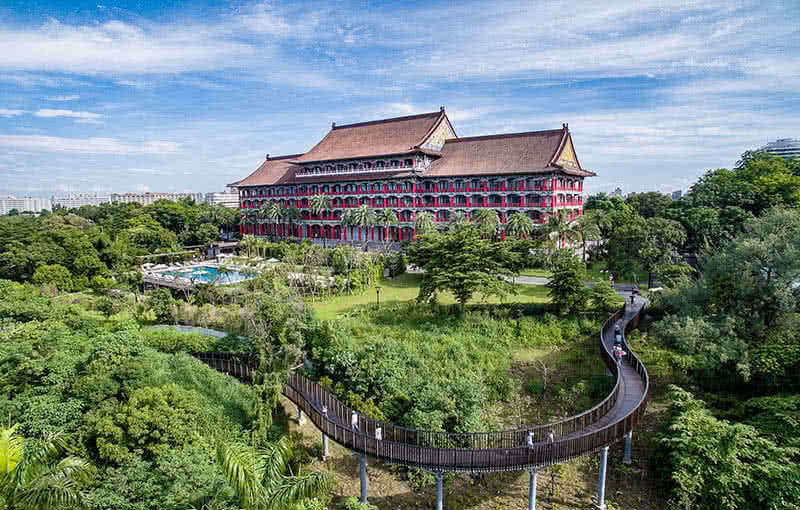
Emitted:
pixel 600 504
pixel 324 446
pixel 363 469
pixel 628 439
pixel 532 491
pixel 439 490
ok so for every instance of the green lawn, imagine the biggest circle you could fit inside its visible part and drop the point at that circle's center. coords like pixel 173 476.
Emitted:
pixel 594 273
pixel 541 273
pixel 406 288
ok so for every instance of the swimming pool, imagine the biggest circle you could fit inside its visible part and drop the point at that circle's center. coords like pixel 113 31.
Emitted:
pixel 208 274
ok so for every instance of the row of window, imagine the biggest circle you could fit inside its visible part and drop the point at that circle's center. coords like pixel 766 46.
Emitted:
pixel 407 215
pixel 408 186
pixel 358 166
pixel 441 201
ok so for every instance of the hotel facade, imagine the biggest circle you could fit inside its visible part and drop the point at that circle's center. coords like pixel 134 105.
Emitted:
pixel 413 164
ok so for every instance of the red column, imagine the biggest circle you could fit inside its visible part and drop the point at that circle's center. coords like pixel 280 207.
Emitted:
pixel 359 233
pixel 344 230
pixel 372 202
pixel 414 233
pixel 485 200
pixel 467 200
pixel 436 201
pixel 503 201
pixel 451 187
pixel 372 233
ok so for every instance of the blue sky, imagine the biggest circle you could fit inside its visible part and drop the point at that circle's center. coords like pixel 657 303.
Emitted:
pixel 188 96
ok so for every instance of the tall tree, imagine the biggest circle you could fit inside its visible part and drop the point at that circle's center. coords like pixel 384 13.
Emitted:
pixel 487 221
pixel 463 262
pixel 386 218
pixel 519 225
pixel 650 243
pixel 291 214
pixel 649 204
pixel 567 290
pixel 423 224
pixel 274 213
pixel 363 217
pixel 560 230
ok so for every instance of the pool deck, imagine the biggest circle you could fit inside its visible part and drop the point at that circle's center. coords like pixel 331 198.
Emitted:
pixel 159 278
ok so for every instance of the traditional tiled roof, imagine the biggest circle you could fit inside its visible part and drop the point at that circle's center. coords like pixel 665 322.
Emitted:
pixel 531 152
pixel 275 170
pixel 400 135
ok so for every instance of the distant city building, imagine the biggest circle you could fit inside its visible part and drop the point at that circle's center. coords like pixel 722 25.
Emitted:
pixel 73 201
pixel 149 197
pixel 676 195
pixel 24 204
pixel 783 147
pixel 617 193
pixel 223 198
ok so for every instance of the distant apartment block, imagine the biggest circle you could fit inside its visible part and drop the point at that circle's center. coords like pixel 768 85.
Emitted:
pixel 783 147
pixel 23 204
pixel 150 197
pixel 223 198
pixel 676 195
pixel 73 201
pixel 617 193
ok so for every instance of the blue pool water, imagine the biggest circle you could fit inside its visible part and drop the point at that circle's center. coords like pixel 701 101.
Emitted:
pixel 206 274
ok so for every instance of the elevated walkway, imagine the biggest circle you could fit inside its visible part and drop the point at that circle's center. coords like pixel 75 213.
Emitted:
pixel 556 442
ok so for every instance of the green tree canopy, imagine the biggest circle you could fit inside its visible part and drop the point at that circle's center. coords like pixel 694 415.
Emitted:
pixel 464 263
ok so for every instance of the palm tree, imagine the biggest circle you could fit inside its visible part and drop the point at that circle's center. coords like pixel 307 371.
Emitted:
pixel 262 479
pixel 273 213
pixel 320 204
pixel 386 217
pixel 520 226
pixel 291 214
pixel 249 242
pixel 561 230
pixel 458 220
pixel 34 478
pixel 364 217
pixel 590 228
pixel 487 220
pixel 424 223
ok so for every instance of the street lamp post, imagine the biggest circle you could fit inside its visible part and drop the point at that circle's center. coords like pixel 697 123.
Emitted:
pixel 378 295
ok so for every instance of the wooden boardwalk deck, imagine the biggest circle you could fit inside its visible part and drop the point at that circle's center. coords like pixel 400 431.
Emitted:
pixel 508 450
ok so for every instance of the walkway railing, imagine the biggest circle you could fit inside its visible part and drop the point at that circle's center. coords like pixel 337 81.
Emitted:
pixel 479 451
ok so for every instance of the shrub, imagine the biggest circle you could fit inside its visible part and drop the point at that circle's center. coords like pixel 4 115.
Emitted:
pixel 55 275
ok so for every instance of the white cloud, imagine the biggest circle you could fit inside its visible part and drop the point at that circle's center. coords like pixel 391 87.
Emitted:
pixel 64 98
pixel 133 83
pixel 91 145
pixel 4 112
pixel 27 80
pixel 82 117
pixel 119 47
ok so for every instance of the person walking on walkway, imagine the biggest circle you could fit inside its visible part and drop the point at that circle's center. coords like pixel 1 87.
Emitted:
pixel 530 440
pixel 618 353
pixel 551 437
pixel 354 420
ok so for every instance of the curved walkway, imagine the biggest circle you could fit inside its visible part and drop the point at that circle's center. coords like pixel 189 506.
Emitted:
pixel 553 443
